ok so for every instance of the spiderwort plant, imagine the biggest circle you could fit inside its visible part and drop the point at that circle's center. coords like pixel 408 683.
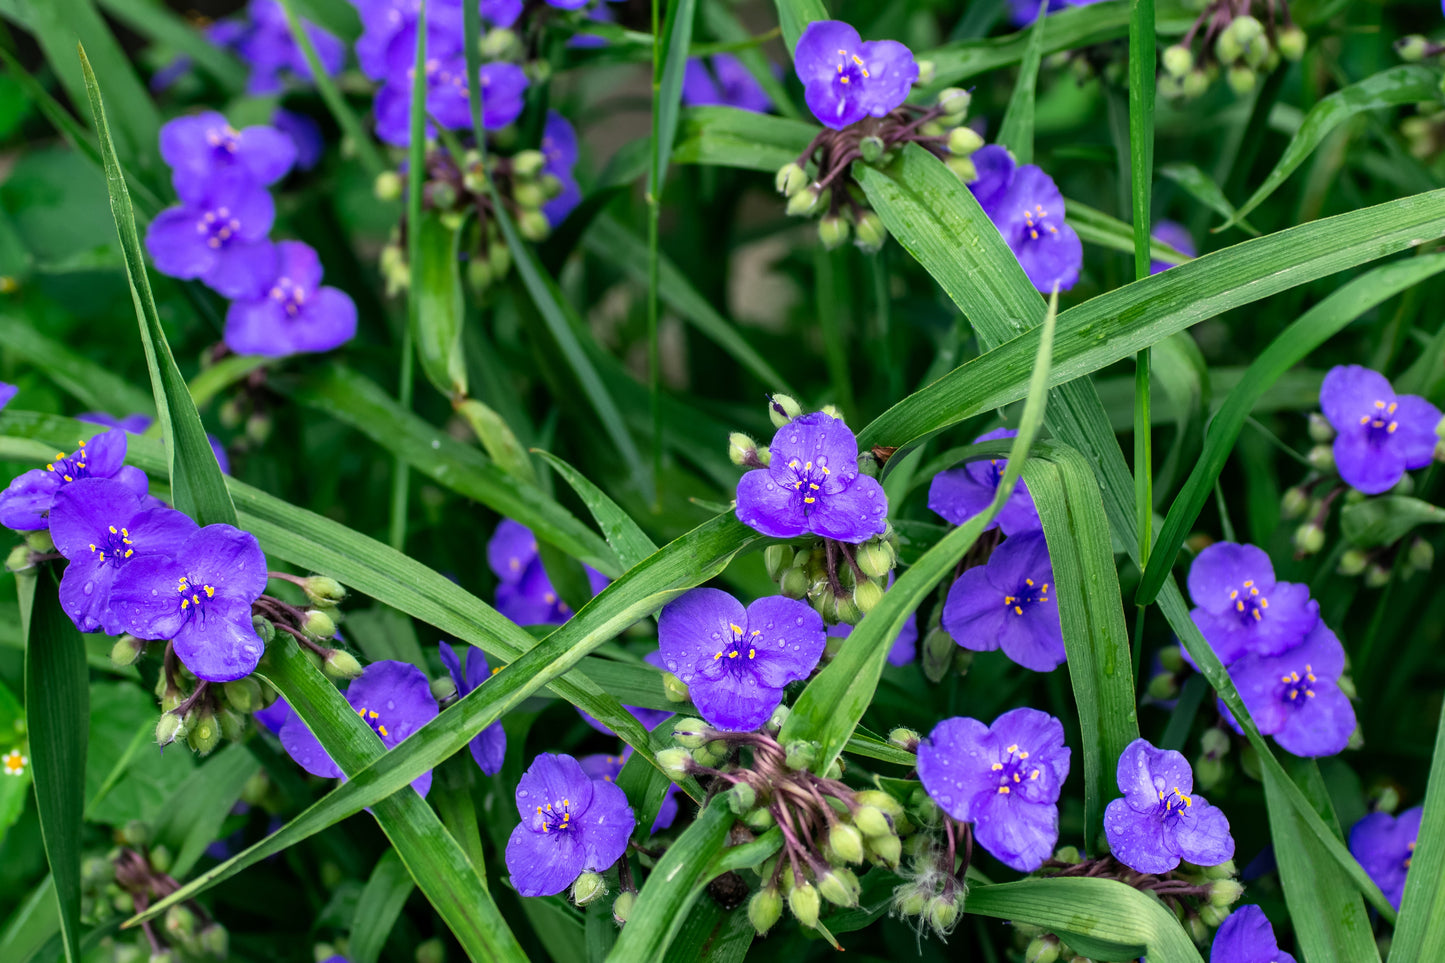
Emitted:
pixel 1385 846
pixel 723 80
pixel 26 503
pixel 524 592
pixel 1295 696
pixel 294 313
pixel 1379 435
pixel 218 235
pixel 608 768
pixel 1241 609
pixel 1027 208
pixel 571 824
pixel 958 494
pixel 1009 604
pixel 1160 819
pixel 468 671
pixel 1245 936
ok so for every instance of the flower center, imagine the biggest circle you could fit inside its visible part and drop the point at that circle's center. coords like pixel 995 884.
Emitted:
pixel 373 719
pixel 15 764
pixel 1174 803
pixel 1027 592
pixel 218 226
pixel 115 545
pixel 556 816
pixel 808 480
pixel 289 295
pixel 194 597
pixel 1036 219
pixel 1014 769
pixel 851 68
pixel 1249 605
pixel 1294 689
pixel 740 650
pixel 1381 423
pixel 69 467
pixel 222 139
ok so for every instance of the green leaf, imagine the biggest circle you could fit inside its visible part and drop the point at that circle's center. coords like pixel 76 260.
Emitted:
pixel 1095 227
pixel 1383 521
pixel 152 19
pixel 197 486
pixel 1204 190
pixel 1017 130
pixel 830 707
pixel 95 386
pixel 126 777
pixel 1420 932
pixel 1397 86
pixel 667 88
pixel 377 911
pixel 1293 345
pixel 675 884
pixel 627 539
pixel 428 851
pixel 437 320
pixel 1102 917
pixel 57 691
pixel 794 17
pixel 729 137
pixel 498 439
pixel 14 791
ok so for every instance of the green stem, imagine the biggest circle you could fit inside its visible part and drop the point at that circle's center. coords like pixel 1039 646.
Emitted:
pixel 654 217
pixel 1141 156
pixel 415 177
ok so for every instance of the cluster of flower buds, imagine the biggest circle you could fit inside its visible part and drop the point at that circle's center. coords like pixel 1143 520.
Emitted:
pixel 203 713
pixel 1234 42
pixel 820 183
pixel 933 889
pixel 127 880
pixel 827 826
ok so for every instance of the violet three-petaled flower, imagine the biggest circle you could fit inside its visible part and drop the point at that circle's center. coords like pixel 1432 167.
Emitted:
pixel 1008 604
pixel 393 698
pixel 295 313
pixel 1159 820
pixel 1240 608
pixel 608 768
pixel 960 493
pixel 271 51
pixel 559 147
pixel 723 81
pixel 200 599
pixel 1385 847
pixel 25 504
pixel 524 592
pixel 218 236
pixel 1027 208
pixel 101 526
pixel 845 79
pixel 1245 936
pixel 447 98
pixel 735 661
pixel 1295 696
pixel 812 485
pixel 489 747
pixel 199 147
pixel 1005 779
pixel 1379 435
pixel 305 135
pixel 571 824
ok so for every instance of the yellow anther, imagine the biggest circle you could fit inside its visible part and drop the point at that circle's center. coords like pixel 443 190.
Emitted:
pixel 1310 693
pixel 185 604
pixel 1293 694
pixel 1257 615
pixel 373 714
pixel 1239 606
pixel 113 531
pixel 1016 777
pixel 997 766
pixel 1013 748
pixel 1365 419
pixel 382 730
pixel 1018 610
pixel 92 546
pixel 733 654
pixel 716 657
pixel 737 629
pixel 1028 581
pixel 1249 583
pixel 129 552
pixel 1034 774
pixel 809 500
pixel 1024 754
pixel 210 591
pixel 752 653
pixel 1003 789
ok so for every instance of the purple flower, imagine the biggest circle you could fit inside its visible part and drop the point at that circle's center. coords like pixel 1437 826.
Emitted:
pixel 271 51
pixel 394 698
pixel 1241 608
pixel 735 662
pixel 1004 778
pixel 200 598
pixel 25 505
pixel 905 647
pixel 219 237
pixel 101 527
pixel 525 593
pixel 7 393
pixel 559 146
pixel 1025 12
pixel 1028 210
pixel 607 768
pixel 447 98
pixel 1384 845
pixel 1006 604
pixel 571 824
pixel 994 166
pixel 198 148
pixel 296 314
pixel 305 135
pixel 846 79
pixel 489 747
pixel 960 493
pixel 1157 822
pixel 1245 936
pixel 1295 696
pixel 137 424
pixel 501 13
pixel 812 485
pixel 274 716
pixel 1380 434
pixel 1176 236
pixel 727 84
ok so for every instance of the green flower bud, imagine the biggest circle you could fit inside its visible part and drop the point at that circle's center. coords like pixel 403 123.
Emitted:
pixel 742 450
pixel 1405 486
pixel 872 821
pixel 1224 870
pixel 529 195
pixel 126 651
pixel 1178 60
pixel 534 226
pixel 867 596
pixel 440 195
pixel 318 625
pixel 801 754
pixel 764 909
pixel 943 914
pixel 499 257
pixel 1346 685
pixel 431 951
pixel 588 888
pixel 1171 658
pixel 926 71
pixel 833 231
pixel 805 202
pixel 954 101
pixel 622 906
pixel 204 735
pixel 170 728
pixel 777 559
pixel 843 609
pixel 1042 949
pixel 161 956
pixel 19 559
pixel 1214 743
pixel 711 755
pixel 443 689
pixel 1211 915
pixel 963 141
pixel 243 695
pixel 910 900
pixel 1208 771
pixel 791 179
pixel 962 167
pixel 675 763
pixel 905 739
pixel 760 820
pixel 691 733
pixel 674 688
pixel 1242 79
pixel 869 234
pixel 1421 555
pixel 233 724
pixel 528 164
pixel 887 850
pixel 847 842
pixel 840 887
pixel 875 558
pixel 776 720
pixel 938 649
pixel 741 798
pixel 925 810
pixel 871 147
pixel 1163 687
pixel 1321 431
pixel 1412 49
pixel 1309 538
pixel 340 665
pixel 265 631
pixel 500 44
pixel 1296 502
pixel 1195 84
pixel 387 187
pixel 1352 562
pixel 1377 576
pixel 783 409
pixel 1225 892
pixel 180 923
pixel 804 903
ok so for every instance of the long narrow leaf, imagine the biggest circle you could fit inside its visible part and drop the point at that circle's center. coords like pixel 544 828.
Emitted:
pixel 1420 933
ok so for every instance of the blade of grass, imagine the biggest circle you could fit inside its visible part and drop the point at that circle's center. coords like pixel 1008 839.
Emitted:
pixel 1017 130
pixel 154 20
pixel 794 17
pixel 1420 933
pixel 1141 184
pixel 377 910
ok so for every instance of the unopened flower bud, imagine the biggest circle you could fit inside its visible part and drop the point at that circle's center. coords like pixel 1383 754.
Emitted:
pixel 622 906
pixel 1352 562
pixel 500 44
pixel 1412 49
pixel 783 409
pixel 20 559
pixel 804 903
pixel 1421 555
pixel 776 720
pixel 690 733
pixel 318 625
pixel 1195 84
pixel 1296 502
pixel 534 226
pixel 340 665
pixel 529 195
pixel 264 629
pixel 1241 79
pixel 742 450
pixel 170 728
pixel 869 234
pixel 1321 431
pixel 387 186
pixel 954 101
pixel 1309 538
pixel 867 596
pixel 161 956
pixel 760 820
pixel 905 739
pixel 847 843
pixel 741 798
pixel 674 688
pixel 1211 915
pixel 764 909
pixel 963 141
pixel 1172 658
pixel 910 900
pixel 443 689
pixel 938 649
pixel 1291 42
pixel 943 914
pixel 1377 576
pixel 872 821
pixel 1042 949
pixel 711 755
pixel 871 147
pixel 791 179
pixel 833 231
pixel 794 583
pixel 875 558
pixel 1163 687
pixel 588 888
pixel 887 850
pixel 180 923
pixel 844 610
pixel 805 202
pixel 839 886
pixel 926 71
pixel 801 754
pixel 962 167
pixel 126 651
pixel 528 164
pixel 1178 60
pixel 1208 771
pixel 1225 892
pixel 675 763
pixel 204 734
